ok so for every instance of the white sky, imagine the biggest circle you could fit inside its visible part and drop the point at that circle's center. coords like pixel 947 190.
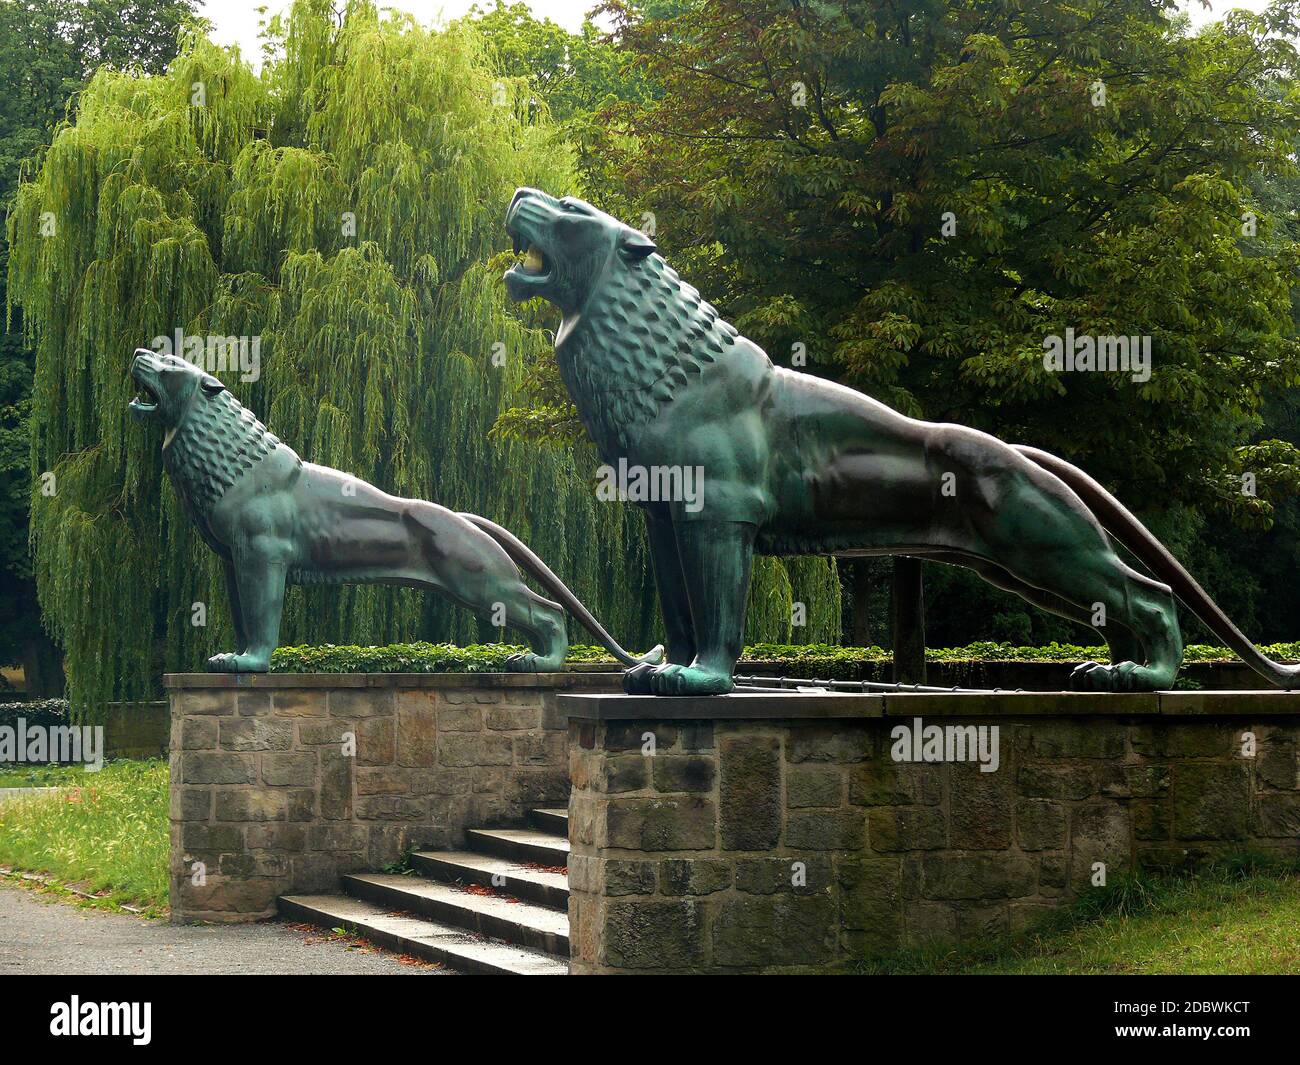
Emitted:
pixel 236 21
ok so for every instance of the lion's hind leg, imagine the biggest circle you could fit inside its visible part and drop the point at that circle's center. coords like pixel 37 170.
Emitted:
pixel 1136 616
pixel 1044 537
pixel 472 569
pixel 543 623
pixel 1122 642
pixel 1146 608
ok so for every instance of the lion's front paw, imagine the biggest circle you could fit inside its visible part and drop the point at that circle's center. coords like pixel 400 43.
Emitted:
pixel 524 662
pixel 636 681
pixel 1096 677
pixel 675 679
pixel 228 662
pixel 527 662
pixel 531 662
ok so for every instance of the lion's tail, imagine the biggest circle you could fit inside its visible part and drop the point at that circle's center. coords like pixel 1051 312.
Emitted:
pixel 541 572
pixel 1116 519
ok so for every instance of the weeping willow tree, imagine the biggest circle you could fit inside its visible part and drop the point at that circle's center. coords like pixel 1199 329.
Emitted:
pixel 344 207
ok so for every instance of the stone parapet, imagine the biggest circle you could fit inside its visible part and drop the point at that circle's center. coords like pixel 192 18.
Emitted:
pixel 280 783
pixel 804 831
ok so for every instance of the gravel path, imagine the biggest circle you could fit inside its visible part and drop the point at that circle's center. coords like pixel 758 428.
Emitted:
pixel 40 934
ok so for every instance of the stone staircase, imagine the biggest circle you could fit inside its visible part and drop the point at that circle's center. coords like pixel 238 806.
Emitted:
pixel 499 907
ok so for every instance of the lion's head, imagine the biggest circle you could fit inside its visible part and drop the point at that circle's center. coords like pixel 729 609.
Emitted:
pixel 568 244
pixel 643 334
pixel 168 387
pixel 212 438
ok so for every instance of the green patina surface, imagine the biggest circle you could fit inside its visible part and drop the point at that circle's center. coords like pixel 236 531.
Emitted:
pixel 789 463
pixel 275 520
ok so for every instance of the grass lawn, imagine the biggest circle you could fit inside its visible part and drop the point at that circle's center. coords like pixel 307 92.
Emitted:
pixel 1237 918
pixel 104 832
pixel 42 776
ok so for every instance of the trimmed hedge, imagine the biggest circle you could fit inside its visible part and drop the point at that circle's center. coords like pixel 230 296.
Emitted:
pixel 410 658
pixel 823 660
pixel 44 712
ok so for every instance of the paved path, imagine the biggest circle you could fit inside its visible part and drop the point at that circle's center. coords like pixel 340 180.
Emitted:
pixel 44 935
pixel 23 793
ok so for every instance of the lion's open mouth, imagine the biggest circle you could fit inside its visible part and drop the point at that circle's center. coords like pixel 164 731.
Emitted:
pixel 146 400
pixel 531 273
pixel 532 260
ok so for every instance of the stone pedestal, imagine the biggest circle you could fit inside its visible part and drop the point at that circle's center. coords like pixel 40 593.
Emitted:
pixel 796 832
pixel 282 782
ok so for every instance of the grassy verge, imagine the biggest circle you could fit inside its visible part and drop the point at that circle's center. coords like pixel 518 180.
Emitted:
pixel 44 776
pixel 105 832
pixel 1238 916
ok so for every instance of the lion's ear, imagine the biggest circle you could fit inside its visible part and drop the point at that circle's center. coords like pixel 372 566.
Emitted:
pixel 210 385
pixel 635 245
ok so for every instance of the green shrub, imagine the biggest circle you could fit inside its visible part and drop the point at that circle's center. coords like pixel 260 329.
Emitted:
pixel 824 661
pixel 46 712
pixel 410 658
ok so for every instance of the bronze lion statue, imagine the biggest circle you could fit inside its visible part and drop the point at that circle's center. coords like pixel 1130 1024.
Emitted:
pixel 794 464
pixel 275 520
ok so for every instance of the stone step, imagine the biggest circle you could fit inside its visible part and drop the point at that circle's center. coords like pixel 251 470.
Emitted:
pixel 520 844
pixel 466 867
pixel 421 937
pixel 551 820
pixel 498 914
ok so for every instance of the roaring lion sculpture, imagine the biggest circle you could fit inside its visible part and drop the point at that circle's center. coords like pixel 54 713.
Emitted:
pixel 793 464
pixel 276 520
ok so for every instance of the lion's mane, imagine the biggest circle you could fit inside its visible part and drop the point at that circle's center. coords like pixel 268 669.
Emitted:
pixel 644 334
pixel 217 442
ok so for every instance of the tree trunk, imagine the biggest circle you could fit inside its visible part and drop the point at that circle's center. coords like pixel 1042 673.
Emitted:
pixel 909 621
pixel 860 630
pixel 43 668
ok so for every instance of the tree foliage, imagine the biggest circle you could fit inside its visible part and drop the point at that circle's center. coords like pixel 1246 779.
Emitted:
pixel 344 207
pixel 806 164
pixel 571 75
pixel 48 48
pixel 1095 159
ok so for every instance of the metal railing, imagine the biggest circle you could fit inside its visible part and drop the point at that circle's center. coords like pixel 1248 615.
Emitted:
pixel 860 687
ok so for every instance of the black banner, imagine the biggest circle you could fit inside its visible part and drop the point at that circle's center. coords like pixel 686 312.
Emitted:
pixel 146 1014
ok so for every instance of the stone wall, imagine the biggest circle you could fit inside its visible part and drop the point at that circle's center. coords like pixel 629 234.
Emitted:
pixel 779 832
pixel 130 730
pixel 136 730
pixel 282 782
